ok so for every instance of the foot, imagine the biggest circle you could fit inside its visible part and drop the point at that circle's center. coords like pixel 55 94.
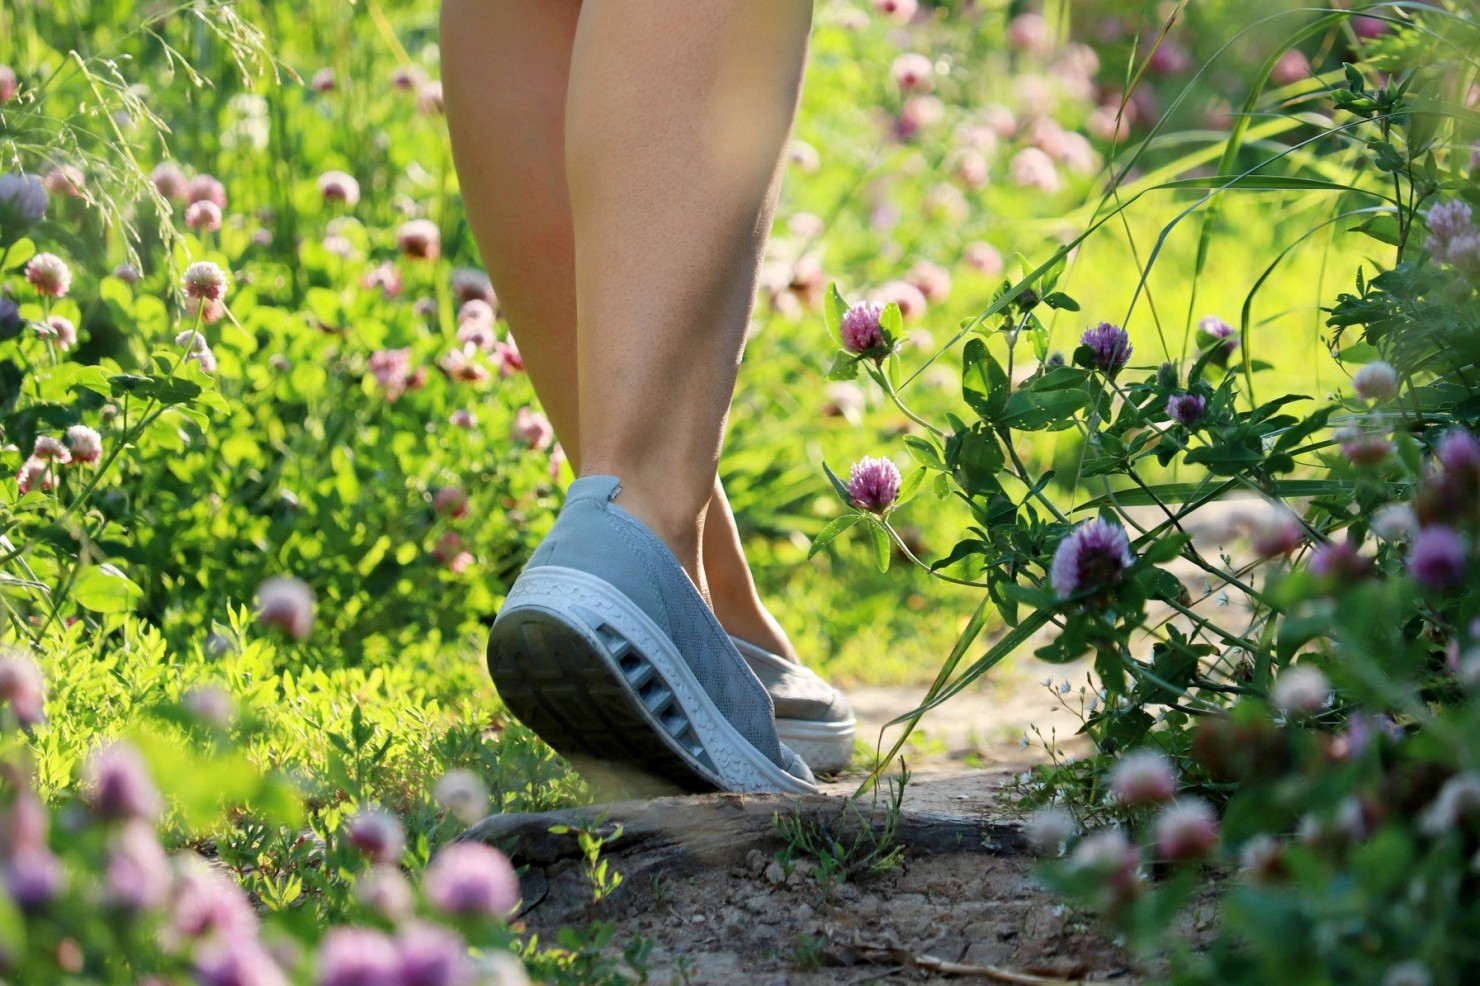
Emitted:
pixel 606 649
pixel 744 617
pixel 812 717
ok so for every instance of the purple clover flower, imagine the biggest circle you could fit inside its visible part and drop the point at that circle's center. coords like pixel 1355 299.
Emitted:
pixel 138 876
pixel 431 956
pixel 1049 828
pixel 1300 691
pixel 377 834
pixel 1217 328
pixel 873 484
pixel 10 319
pixel 1363 448
pixel 22 687
pixel 1186 409
pixel 861 330
pixel 288 602
pixel 1110 347
pixel 1458 452
pixel 34 877
pixel 209 905
pixel 23 197
pixel 357 957
pixel 385 891
pixel 239 961
pixel 1447 222
pixel 1437 559
pixel 49 275
pixel 1094 555
pixel 472 880
pixel 1143 777
pixel 1454 239
pixel 24 827
pixel 120 783
pixel 1376 382
pixel 462 793
pixel 1339 562
pixel 1186 830
pixel 1109 854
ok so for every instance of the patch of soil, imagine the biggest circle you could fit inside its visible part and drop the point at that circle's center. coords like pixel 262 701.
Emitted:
pixel 745 924
pixel 703 882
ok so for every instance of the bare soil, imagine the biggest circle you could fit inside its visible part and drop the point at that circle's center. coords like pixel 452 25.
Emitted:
pixel 703 880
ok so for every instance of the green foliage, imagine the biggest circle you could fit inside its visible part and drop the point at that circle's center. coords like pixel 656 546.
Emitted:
pixel 1329 713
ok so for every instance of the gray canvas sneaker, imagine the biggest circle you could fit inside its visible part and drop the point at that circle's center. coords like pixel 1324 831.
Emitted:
pixel 812 717
pixel 606 650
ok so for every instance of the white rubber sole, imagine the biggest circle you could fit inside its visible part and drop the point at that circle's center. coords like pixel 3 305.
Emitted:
pixel 580 663
pixel 826 747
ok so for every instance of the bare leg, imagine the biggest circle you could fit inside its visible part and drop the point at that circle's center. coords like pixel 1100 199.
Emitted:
pixel 505 64
pixel 732 590
pixel 677 114
pixel 506 68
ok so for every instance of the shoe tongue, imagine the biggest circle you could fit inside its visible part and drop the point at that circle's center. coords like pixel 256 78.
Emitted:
pixel 594 488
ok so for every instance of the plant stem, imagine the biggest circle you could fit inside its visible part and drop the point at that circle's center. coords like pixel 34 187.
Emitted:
pixel 1022 474
pixel 899 543
pixel 882 379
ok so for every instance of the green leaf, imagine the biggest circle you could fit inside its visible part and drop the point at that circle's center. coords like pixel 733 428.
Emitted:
pixel 93 378
pixel 910 487
pixel 973 629
pixel 831 532
pixel 1226 460
pixel 833 308
pixel 1382 228
pixel 839 487
pixel 325 306
pixel 1164 549
pixel 1302 430
pixel 881 545
pixel 21 251
pixel 1061 301
pixel 1261 183
pixel 105 589
pixel 984 384
pixel 980 459
pixel 1184 492
pixel 166 391
pixel 844 366
pixel 116 293
pixel 127 383
pixel 1030 410
pixel 308 379
pixel 891 323
pixel 925 452
pixel 1060 378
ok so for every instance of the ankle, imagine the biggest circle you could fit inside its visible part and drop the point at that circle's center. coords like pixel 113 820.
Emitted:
pixel 679 530
pixel 749 620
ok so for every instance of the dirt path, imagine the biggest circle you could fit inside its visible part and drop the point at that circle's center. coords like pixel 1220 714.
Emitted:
pixel 712 885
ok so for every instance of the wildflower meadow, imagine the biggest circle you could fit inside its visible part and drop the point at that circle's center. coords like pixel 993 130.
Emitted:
pixel 1124 342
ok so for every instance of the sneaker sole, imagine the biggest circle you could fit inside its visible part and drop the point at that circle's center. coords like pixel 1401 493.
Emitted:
pixel 826 747
pixel 591 674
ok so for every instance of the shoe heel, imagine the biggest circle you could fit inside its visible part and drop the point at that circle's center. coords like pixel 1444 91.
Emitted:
pixel 586 669
pixel 585 688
